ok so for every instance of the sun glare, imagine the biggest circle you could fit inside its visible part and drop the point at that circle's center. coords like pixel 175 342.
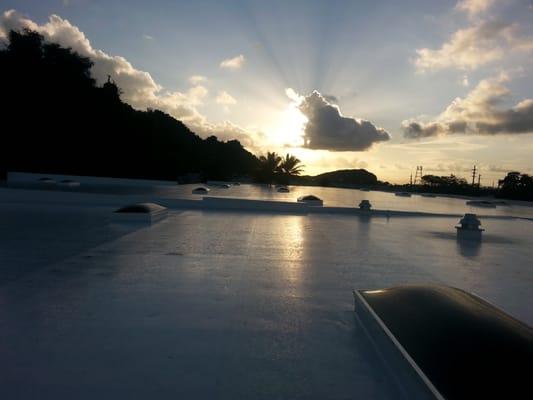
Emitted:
pixel 289 128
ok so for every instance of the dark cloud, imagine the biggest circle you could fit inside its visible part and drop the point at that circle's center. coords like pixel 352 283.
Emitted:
pixel 418 130
pixel 327 129
pixel 477 114
pixel 331 99
pixel 516 120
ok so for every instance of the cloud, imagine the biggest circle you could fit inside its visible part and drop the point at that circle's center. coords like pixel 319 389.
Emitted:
pixel 331 99
pixel 479 113
pixel 328 129
pixel 225 98
pixel 196 95
pixel 148 37
pixel 499 168
pixel 233 63
pixel 295 97
pixel 227 130
pixel 196 79
pixel 474 7
pixel 470 48
pixel 138 87
pixel 486 40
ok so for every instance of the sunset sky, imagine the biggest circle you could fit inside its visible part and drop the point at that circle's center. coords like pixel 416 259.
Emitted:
pixel 379 85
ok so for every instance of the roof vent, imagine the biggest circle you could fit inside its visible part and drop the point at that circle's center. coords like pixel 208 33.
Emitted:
pixel 468 227
pixel 69 183
pixel 365 205
pixel 200 190
pixel 402 194
pixel 48 181
pixel 140 212
pixel 311 200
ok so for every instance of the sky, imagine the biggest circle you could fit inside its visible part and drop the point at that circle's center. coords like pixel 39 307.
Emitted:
pixel 380 85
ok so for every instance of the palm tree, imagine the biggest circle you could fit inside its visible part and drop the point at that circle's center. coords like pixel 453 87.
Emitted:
pixel 270 165
pixel 290 165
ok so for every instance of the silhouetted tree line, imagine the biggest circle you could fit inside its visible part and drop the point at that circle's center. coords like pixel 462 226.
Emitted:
pixel 450 184
pixel 56 119
pixel 286 170
pixel 516 186
pixel 452 180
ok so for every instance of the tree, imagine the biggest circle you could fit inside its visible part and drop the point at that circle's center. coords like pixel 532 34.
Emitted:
pixel 290 166
pixel 269 166
pixel 511 181
pixel 452 180
pixel 516 186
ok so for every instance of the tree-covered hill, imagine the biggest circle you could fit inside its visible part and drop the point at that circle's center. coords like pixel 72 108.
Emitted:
pixel 347 177
pixel 55 119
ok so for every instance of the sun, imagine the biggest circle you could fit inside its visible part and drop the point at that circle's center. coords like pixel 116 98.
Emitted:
pixel 289 127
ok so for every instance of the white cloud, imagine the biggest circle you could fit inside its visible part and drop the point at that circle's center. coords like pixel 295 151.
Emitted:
pixel 469 48
pixel 148 37
pixel 486 40
pixel 138 87
pixel 196 79
pixel 464 81
pixel 295 97
pixel 474 7
pixel 233 63
pixel 227 130
pixel 225 98
pixel 479 113
pixel 326 128
pixel 197 94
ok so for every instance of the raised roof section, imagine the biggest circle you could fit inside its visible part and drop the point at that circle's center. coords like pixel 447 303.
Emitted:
pixel 463 345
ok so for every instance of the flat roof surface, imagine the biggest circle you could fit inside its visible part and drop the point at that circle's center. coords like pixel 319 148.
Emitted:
pixel 336 197
pixel 222 304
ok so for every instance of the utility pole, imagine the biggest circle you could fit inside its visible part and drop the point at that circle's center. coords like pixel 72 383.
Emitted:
pixel 411 179
pixel 479 181
pixel 418 175
pixel 474 176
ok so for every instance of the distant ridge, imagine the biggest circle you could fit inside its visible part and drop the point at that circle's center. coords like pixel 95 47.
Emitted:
pixel 348 176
